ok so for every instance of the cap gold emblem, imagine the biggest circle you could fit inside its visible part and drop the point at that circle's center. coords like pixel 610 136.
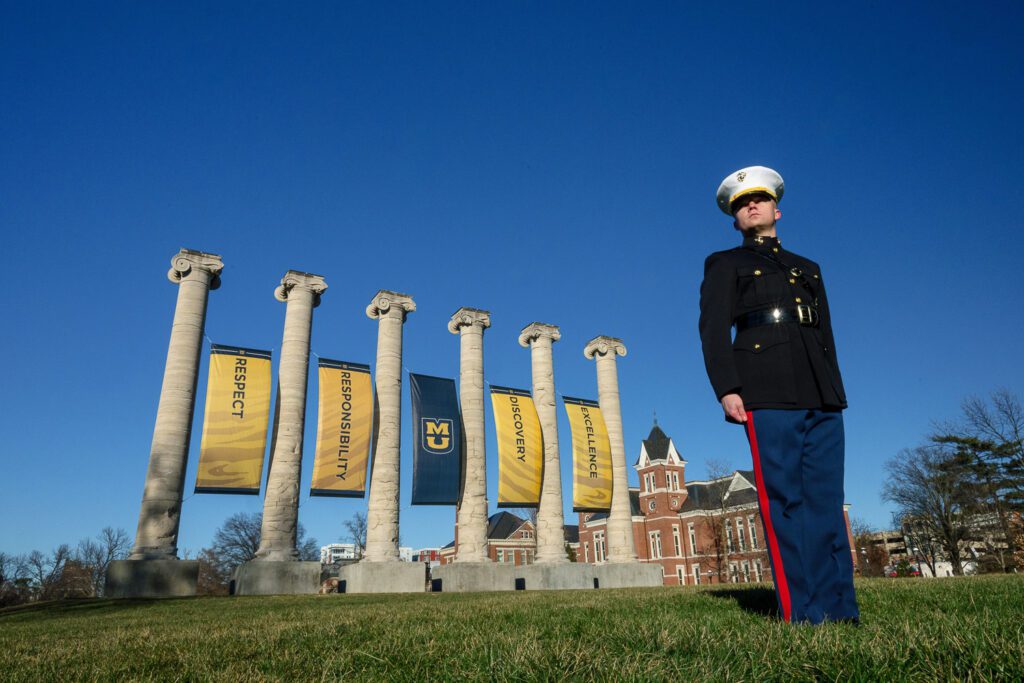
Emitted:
pixel 741 176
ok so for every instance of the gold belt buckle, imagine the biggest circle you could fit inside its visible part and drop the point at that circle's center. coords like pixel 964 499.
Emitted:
pixel 805 314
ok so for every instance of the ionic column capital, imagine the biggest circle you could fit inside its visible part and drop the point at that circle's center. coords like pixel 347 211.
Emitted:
pixel 469 317
pixel 602 346
pixel 188 263
pixel 535 331
pixel 385 299
pixel 301 280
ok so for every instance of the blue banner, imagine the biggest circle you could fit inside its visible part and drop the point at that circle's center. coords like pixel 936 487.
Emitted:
pixel 437 441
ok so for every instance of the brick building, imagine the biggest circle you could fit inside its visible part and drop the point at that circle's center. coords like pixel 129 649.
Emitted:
pixel 699 532
pixel 510 540
pixel 431 556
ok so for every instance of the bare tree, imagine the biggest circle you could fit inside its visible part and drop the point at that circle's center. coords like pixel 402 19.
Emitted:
pixel 989 443
pixel 871 555
pixel 1002 422
pixel 238 539
pixel 920 540
pixel 12 588
pixel 528 514
pixel 309 549
pixel 999 421
pixel 983 489
pixel 861 528
pixel 63 573
pixel 715 521
pixel 928 498
pixel 356 528
pixel 44 571
pixel 8 566
pixel 110 544
pixel 212 579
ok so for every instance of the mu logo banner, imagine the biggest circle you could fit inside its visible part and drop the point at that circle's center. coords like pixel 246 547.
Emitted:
pixel 437 441
pixel 437 436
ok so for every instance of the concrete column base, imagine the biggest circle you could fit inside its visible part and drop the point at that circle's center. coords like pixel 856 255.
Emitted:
pixel 629 575
pixel 152 579
pixel 261 577
pixel 472 577
pixel 562 576
pixel 383 577
pixel 588 576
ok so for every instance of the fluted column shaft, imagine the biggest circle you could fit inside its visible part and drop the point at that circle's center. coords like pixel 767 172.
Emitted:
pixel 621 546
pixel 389 309
pixel 550 518
pixel 279 533
pixel 471 516
pixel 160 516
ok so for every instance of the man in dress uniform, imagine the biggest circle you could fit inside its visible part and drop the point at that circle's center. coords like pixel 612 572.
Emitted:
pixel 779 376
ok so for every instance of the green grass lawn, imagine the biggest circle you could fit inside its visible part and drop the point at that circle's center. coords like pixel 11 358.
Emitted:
pixel 913 629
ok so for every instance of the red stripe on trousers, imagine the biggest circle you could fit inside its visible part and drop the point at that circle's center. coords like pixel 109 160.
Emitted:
pixel 773 543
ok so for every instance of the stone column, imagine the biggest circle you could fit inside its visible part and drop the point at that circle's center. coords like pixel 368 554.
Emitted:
pixel 301 292
pixel 469 324
pixel 195 273
pixel 539 337
pixel 620 520
pixel 389 309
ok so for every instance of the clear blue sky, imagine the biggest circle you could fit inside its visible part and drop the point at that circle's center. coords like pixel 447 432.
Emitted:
pixel 546 163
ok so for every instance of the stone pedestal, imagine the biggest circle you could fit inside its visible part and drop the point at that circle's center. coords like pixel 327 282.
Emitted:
pixel 479 577
pixel 603 350
pixel 471 515
pixel 585 576
pixel 152 579
pixel 383 577
pixel 629 575
pixel 267 577
pixel 549 577
pixel 473 577
pixel 539 337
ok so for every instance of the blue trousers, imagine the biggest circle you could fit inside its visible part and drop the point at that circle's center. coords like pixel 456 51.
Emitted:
pixel 798 464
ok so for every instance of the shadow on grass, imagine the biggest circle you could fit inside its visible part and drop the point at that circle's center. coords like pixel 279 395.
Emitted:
pixel 75 606
pixel 755 600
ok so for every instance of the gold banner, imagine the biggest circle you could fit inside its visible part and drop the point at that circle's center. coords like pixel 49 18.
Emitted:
pixel 520 448
pixel 343 430
pixel 591 456
pixel 235 421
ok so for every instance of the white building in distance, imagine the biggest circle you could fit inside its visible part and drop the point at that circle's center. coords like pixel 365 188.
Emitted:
pixel 338 552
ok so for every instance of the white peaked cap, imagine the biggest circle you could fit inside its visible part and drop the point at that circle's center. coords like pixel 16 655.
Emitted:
pixel 748 180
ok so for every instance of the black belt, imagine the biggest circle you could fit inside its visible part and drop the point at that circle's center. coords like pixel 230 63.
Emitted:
pixel 803 314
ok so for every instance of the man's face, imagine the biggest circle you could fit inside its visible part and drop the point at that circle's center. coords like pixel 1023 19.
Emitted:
pixel 755 211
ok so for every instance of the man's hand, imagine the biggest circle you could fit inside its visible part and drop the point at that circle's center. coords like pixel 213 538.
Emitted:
pixel 732 404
